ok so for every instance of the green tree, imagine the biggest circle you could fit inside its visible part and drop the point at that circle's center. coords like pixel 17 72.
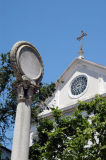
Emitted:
pixel 81 136
pixel 7 98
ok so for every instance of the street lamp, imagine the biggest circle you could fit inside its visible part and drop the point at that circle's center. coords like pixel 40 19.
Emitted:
pixel 28 69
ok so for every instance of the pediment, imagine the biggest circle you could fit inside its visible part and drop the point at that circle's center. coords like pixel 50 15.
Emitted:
pixel 81 65
pixel 94 74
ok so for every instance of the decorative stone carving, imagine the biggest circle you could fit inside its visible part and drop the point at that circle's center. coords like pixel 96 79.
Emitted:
pixel 25 93
pixel 26 62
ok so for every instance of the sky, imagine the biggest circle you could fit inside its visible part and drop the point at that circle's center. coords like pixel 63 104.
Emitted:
pixel 52 26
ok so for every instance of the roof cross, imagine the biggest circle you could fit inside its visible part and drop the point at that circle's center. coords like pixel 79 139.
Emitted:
pixel 81 53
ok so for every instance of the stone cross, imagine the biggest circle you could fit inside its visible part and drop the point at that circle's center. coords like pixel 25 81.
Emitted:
pixel 81 53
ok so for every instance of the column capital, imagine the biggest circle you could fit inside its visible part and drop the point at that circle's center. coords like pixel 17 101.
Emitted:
pixel 25 92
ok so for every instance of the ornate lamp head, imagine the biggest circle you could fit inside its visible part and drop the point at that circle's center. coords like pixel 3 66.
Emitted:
pixel 26 62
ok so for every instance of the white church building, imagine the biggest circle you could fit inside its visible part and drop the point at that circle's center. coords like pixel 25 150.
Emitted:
pixel 82 80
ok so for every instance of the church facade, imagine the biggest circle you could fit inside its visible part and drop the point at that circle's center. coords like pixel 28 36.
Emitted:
pixel 82 80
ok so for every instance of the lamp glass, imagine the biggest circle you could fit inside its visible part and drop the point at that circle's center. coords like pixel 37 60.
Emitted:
pixel 29 63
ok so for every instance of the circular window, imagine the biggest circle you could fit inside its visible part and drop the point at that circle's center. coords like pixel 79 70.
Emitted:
pixel 78 85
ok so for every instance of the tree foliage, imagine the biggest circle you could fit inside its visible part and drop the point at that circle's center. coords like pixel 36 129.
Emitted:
pixel 7 97
pixel 81 136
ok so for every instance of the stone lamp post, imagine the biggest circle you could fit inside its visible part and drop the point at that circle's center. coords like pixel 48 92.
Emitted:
pixel 28 69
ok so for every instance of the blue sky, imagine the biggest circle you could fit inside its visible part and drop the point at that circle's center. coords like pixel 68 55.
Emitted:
pixel 52 26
